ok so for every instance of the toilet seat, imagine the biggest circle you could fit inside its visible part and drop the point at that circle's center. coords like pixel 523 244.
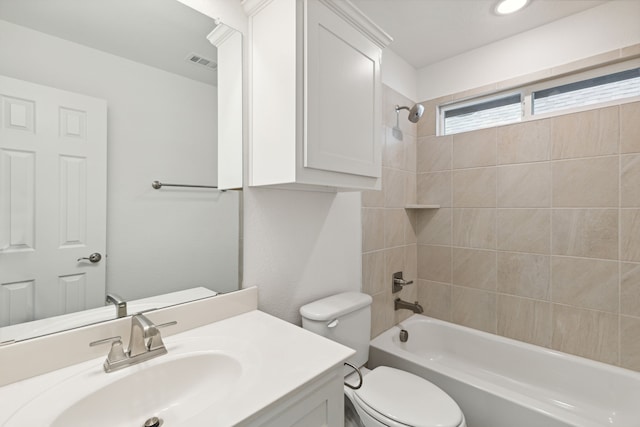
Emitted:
pixel 400 398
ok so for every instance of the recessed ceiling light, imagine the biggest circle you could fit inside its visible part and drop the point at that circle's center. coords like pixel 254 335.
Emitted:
pixel 506 7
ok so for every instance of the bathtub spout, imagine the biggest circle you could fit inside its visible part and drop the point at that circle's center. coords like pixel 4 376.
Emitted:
pixel 415 307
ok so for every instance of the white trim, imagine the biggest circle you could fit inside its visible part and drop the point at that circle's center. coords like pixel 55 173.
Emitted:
pixel 350 13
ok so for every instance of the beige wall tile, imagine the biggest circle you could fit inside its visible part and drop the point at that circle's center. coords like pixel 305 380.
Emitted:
pixel 473 149
pixel 411 263
pixel 410 154
pixel 630 235
pixel 525 320
pixel 630 51
pixel 577 313
pixel 372 229
pixel 474 188
pixel 394 260
pixel 524 230
pixel 434 153
pixel 373 199
pixel 524 142
pixel 630 289
pixel 382 315
pixel 410 227
pixel 394 149
pixel 393 186
pixel 410 188
pixel 435 298
pixel 434 226
pixel 373 272
pixel 434 188
pixel 474 268
pixel 474 228
pixel 585 134
pixel 525 275
pixel 630 180
pixel 586 333
pixel 591 233
pixel 630 128
pixel 474 308
pixel 629 342
pixel 586 182
pixel 394 227
pixel 585 283
pixel 434 263
pixel 524 186
pixel 427 124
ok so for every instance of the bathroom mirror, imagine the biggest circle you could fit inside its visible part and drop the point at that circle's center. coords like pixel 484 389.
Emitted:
pixel 98 99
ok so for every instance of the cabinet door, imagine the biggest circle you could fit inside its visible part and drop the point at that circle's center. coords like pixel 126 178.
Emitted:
pixel 342 94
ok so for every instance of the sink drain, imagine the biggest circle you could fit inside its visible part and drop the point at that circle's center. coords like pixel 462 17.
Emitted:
pixel 153 422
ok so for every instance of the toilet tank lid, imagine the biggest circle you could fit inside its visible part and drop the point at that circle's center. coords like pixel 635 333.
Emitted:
pixel 335 306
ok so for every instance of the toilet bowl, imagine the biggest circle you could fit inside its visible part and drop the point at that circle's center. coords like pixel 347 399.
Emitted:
pixel 388 397
pixel 395 398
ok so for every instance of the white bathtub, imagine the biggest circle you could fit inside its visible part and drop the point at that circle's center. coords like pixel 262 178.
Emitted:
pixel 499 382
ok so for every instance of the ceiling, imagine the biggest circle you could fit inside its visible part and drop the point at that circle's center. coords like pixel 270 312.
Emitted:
pixel 429 31
pixel 159 33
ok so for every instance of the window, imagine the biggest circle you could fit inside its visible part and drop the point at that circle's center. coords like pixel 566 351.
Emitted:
pixel 578 92
pixel 482 114
pixel 597 90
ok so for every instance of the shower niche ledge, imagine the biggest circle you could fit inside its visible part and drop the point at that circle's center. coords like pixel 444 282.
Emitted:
pixel 315 95
pixel 418 206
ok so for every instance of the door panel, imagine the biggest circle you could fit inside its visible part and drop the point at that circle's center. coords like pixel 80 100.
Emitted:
pixel 52 201
pixel 343 77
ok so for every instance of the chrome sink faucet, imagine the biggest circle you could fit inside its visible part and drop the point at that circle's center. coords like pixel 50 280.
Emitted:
pixel 145 343
pixel 120 303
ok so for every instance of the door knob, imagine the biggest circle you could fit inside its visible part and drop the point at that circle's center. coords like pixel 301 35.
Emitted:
pixel 94 257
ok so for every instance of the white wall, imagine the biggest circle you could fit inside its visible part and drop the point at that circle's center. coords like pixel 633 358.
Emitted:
pixel 160 127
pixel 399 75
pixel 610 26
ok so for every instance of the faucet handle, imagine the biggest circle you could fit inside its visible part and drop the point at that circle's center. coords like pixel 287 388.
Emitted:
pixel 162 325
pixel 105 341
pixel 116 353
pixel 398 282
pixel 155 341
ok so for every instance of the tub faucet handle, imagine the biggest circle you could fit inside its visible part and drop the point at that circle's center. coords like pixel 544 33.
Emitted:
pixel 398 282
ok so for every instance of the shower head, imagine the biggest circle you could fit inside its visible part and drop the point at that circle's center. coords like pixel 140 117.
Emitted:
pixel 415 112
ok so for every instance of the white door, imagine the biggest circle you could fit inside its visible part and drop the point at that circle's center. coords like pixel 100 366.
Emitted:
pixel 53 178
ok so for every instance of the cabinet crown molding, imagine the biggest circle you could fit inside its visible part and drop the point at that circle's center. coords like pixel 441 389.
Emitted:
pixel 350 13
pixel 343 8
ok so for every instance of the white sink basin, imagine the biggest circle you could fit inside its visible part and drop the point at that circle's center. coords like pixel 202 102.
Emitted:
pixel 166 390
pixel 173 387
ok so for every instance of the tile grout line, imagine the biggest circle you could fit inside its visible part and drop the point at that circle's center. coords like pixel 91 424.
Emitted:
pixel 619 347
pixel 551 207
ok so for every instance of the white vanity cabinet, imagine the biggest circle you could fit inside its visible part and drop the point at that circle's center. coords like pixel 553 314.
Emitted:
pixel 315 95
pixel 319 403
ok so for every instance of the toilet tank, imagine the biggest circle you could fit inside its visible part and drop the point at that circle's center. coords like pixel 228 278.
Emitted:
pixel 344 318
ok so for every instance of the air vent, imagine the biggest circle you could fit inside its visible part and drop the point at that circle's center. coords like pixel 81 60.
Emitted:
pixel 202 61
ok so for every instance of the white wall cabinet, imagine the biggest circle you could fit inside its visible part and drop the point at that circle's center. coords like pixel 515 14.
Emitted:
pixel 315 94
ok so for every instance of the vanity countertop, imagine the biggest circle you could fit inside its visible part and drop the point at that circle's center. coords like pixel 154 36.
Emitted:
pixel 276 358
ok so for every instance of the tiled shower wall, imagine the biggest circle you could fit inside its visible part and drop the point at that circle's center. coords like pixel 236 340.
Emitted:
pixel 389 241
pixel 538 234
pixel 537 237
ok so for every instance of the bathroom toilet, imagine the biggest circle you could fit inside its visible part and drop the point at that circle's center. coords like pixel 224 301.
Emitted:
pixel 388 396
